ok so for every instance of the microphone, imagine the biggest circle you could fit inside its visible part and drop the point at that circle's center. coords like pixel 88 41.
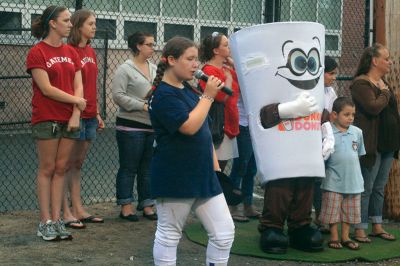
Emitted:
pixel 200 75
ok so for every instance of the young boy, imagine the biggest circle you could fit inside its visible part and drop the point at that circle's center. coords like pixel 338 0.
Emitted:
pixel 344 183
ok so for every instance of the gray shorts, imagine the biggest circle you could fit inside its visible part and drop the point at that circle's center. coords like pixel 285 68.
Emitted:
pixel 53 130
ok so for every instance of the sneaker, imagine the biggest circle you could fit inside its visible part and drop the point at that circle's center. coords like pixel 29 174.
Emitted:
pixel 47 231
pixel 61 231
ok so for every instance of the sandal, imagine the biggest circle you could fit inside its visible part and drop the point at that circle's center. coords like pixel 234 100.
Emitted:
pixel 384 236
pixel 350 245
pixel 75 224
pixel 240 218
pixel 362 239
pixel 335 244
pixel 92 219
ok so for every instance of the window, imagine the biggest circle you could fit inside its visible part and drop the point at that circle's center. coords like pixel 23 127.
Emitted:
pixel 66 3
pixel 180 8
pixel 101 5
pixel 171 30
pixel 148 7
pixel 331 42
pixel 131 27
pixel 327 12
pixel 247 11
pixel 10 23
pixel 215 10
pixel 105 28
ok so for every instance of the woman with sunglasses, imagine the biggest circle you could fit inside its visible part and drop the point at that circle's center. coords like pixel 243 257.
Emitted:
pixel 131 84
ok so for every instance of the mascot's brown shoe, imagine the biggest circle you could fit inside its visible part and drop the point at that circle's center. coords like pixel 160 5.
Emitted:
pixel 274 241
pixel 306 238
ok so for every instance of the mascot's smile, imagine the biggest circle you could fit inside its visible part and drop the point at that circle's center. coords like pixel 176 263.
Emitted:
pixel 302 70
pixel 302 84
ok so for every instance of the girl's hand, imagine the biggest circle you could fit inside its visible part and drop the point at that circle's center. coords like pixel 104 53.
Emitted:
pixel 81 103
pixel 146 107
pixel 229 62
pixel 227 74
pixel 73 123
pixel 213 85
pixel 382 85
pixel 100 122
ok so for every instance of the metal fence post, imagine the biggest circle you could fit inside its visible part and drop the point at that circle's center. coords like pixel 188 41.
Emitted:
pixel 105 67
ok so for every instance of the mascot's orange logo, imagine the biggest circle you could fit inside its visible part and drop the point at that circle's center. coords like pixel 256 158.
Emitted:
pixel 309 123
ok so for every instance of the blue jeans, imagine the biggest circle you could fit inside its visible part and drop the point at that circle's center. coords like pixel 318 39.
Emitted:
pixel 375 179
pixel 135 150
pixel 244 167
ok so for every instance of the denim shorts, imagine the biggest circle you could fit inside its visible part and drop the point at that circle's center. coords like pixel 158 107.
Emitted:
pixel 53 130
pixel 88 128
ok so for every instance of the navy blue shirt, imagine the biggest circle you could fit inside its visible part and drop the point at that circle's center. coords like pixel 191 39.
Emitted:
pixel 182 165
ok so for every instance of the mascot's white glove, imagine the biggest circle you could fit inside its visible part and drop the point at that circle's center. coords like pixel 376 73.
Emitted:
pixel 328 140
pixel 304 105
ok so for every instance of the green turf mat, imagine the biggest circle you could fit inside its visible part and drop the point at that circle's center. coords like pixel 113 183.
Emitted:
pixel 247 244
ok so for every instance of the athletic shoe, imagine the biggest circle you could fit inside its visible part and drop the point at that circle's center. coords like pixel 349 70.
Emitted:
pixel 62 232
pixel 47 231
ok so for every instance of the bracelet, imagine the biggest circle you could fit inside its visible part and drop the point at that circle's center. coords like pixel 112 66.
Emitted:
pixel 205 96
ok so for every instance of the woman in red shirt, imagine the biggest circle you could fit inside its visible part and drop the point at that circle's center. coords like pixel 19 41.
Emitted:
pixel 215 53
pixel 56 107
pixel 83 30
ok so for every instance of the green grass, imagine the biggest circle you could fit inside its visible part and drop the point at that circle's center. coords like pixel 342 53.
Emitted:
pixel 247 244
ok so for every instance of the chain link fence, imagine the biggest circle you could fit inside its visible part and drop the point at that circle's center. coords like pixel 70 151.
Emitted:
pixel 347 33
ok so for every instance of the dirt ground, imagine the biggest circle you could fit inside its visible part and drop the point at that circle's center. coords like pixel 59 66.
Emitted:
pixel 116 242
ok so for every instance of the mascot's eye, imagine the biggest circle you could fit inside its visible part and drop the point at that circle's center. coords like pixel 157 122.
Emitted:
pixel 298 62
pixel 313 62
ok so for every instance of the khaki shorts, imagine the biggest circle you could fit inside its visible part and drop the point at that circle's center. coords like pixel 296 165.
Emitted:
pixel 53 130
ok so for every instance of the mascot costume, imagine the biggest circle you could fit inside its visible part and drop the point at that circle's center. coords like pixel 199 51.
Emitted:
pixel 280 69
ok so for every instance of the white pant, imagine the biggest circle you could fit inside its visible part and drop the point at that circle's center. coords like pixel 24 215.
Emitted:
pixel 213 214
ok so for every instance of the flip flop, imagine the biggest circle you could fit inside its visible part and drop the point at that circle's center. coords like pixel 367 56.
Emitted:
pixel 75 224
pixel 362 239
pixel 350 245
pixel 92 219
pixel 240 218
pixel 384 236
pixel 335 244
pixel 252 215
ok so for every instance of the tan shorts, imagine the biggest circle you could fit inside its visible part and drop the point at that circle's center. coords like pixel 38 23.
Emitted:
pixel 53 130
